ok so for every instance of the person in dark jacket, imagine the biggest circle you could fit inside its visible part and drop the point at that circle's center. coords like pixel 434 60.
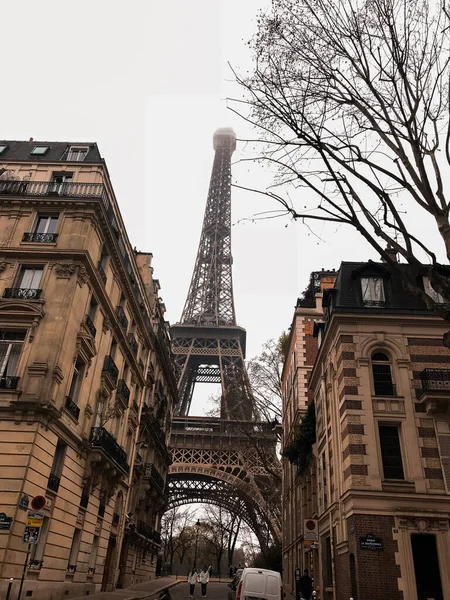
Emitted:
pixel 306 585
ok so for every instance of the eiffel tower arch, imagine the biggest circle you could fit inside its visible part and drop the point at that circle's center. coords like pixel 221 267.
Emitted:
pixel 229 461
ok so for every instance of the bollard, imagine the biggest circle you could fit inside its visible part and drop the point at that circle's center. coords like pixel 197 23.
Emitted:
pixel 9 588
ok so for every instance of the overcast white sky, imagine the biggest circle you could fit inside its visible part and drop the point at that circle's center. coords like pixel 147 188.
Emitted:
pixel 148 81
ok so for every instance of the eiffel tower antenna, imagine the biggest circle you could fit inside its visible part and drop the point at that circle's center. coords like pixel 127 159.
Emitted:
pixel 207 344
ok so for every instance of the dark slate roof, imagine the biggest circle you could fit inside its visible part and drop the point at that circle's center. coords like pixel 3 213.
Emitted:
pixel 346 294
pixel 21 151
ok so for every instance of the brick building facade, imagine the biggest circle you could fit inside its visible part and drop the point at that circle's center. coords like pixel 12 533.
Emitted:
pixel 86 381
pixel 379 474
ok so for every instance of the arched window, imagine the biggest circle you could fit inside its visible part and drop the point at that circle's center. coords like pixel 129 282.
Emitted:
pixel 382 376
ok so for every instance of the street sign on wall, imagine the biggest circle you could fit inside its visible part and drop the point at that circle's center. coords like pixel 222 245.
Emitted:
pixel 311 530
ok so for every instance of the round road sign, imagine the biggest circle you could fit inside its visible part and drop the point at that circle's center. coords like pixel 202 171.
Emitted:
pixel 38 502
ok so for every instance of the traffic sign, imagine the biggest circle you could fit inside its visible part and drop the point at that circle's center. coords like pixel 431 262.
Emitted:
pixel 31 535
pixel 310 530
pixel 38 502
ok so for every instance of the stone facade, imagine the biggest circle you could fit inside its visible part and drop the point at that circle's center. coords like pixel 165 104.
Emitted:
pixel 380 462
pixel 86 380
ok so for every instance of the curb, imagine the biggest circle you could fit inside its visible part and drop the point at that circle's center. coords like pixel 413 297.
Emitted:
pixel 154 592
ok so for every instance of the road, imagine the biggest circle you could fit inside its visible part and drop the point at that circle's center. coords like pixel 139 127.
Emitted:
pixel 214 591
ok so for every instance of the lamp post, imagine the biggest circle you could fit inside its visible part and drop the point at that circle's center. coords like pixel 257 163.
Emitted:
pixel 197 529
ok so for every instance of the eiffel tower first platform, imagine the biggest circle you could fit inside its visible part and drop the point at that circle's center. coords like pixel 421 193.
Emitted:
pixel 229 460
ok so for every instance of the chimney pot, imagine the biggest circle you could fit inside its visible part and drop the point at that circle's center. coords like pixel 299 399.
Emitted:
pixel 31 140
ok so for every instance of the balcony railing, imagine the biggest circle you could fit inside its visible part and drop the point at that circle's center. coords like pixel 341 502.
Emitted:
pixel 52 188
pixel 90 325
pixel 9 382
pixel 435 380
pixel 122 318
pixel 101 272
pixel 103 440
pixel 53 482
pixel 40 238
pixel 156 479
pixel 109 367
pixel 25 293
pixel 72 408
pixel 133 343
pixel 123 390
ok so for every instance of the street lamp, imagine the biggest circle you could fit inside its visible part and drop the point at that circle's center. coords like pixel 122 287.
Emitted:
pixel 197 529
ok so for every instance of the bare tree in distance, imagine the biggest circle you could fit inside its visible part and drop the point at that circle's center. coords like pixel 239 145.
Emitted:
pixel 177 532
pixel 350 99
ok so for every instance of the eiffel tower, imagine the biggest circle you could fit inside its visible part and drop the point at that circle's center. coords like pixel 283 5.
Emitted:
pixel 231 460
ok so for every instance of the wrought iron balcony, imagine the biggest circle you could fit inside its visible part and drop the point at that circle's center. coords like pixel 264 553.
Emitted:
pixel 122 318
pixel 23 293
pixel 90 325
pixel 435 392
pixel 101 272
pixel 435 380
pixel 72 408
pixel 104 441
pixel 40 238
pixel 53 482
pixel 109 367
pixel 123 390
pixel 133 343
pixel 52 188
pixel 9 382
pixel 156 480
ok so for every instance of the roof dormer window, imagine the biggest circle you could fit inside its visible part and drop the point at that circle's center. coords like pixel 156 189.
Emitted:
pixel 2 148
pixel 77 153
pixel 39 150
pixel 372 289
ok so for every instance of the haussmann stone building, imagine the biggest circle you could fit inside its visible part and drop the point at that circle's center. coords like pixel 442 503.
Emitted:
pixel 87 385
pixel 378 477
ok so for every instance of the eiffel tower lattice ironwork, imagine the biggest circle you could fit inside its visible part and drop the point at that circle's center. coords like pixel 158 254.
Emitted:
pixel 229 460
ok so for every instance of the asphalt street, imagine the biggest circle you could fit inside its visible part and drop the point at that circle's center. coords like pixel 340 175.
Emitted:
pixel 214 591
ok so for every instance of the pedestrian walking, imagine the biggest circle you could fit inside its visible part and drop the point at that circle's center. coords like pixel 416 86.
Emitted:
pixel 204 579
pixel 192 580
pixel 306 585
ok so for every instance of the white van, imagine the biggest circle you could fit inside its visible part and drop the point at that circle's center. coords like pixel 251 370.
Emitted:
pixel 259 584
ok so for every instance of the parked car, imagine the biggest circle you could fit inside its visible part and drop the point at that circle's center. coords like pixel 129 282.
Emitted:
pixel 259 584
pixel 233 585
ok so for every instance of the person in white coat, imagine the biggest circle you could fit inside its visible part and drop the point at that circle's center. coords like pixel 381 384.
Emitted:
pixel 193 578
pixel 204 579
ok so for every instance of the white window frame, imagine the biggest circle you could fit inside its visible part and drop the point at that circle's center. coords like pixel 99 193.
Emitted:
pixel 372 290
pixel 75 152
pixel 5 360
pixel 34 273
pixel 432 292
pixel 49 218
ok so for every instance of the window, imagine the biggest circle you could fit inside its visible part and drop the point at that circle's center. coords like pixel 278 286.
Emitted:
pixel 382 377
pixel 11 346
pixel 46 224
pixel 2 148
pixel 391 454
pixel 37 550
pixel 92 308
pixel 77 379
pixel 432 292
pixel 372 291
pixel 77 153
pixel 73 556
pixel 93 555
pixel 60 183
pixel 29 278
pixel 57 466
pixel 39 150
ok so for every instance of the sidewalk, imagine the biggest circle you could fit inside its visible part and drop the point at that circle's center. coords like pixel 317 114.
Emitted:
pixel 148 589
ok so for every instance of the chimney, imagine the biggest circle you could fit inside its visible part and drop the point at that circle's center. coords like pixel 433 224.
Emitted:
pixel 391 253
pixel 31 140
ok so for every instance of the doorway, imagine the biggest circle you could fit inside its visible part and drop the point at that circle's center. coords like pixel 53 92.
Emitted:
pixel 426 566
pixel 353 576
pixel 107 584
